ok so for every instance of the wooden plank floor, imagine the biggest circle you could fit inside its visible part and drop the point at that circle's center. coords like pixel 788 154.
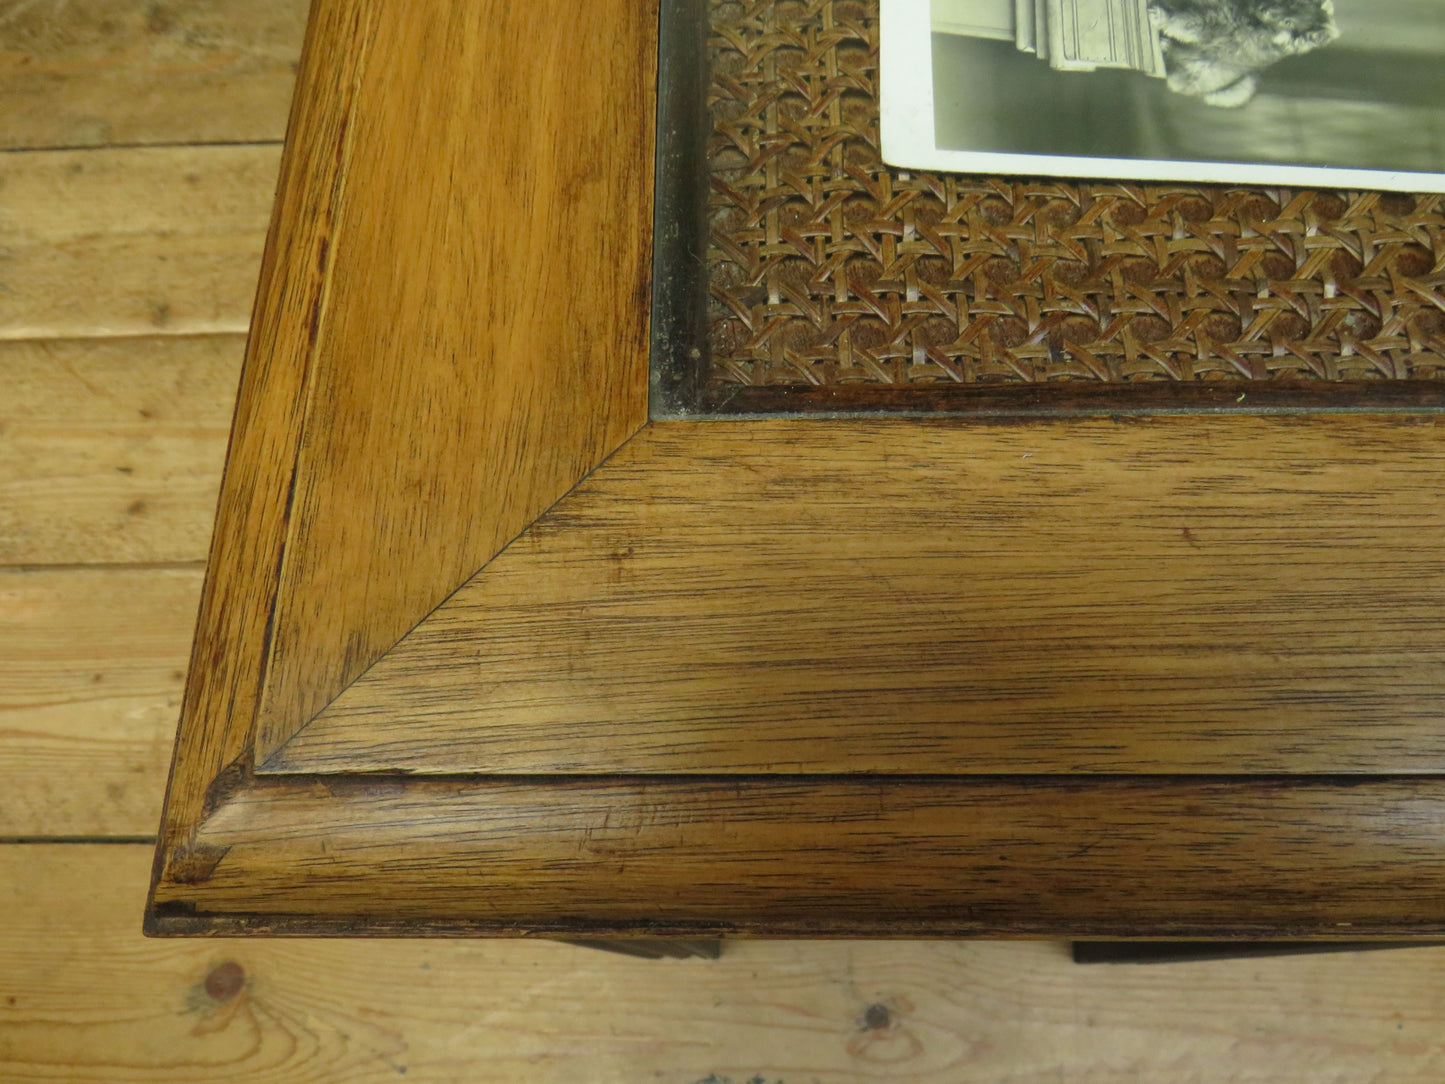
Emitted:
pixel 138 145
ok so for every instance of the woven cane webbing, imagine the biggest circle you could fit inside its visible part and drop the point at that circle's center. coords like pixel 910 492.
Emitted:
pixel 828 268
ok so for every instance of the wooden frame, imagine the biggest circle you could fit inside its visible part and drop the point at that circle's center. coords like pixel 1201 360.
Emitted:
pixel 484 650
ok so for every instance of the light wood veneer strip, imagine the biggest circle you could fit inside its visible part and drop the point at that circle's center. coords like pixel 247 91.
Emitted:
pixel 1205 594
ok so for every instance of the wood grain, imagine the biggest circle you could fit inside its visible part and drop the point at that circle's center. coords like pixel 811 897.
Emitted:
pixel 1172 595
pixel 450 402
pixel 1220 595
pixel 111 449
pixel 818 857
pixel 246 546
pixel 92 663
pixel 140 71
pixel 90 1001
pixel 133 241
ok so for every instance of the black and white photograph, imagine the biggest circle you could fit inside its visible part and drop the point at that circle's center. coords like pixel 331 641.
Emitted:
pixel 1337 93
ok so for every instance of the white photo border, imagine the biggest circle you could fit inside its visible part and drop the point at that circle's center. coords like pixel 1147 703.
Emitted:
pixel 908 140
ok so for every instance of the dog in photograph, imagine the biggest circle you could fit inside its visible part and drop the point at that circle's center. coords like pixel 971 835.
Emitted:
pixel 1215 50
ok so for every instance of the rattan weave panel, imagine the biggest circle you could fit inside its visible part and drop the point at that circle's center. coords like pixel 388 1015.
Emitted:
pixel 827 267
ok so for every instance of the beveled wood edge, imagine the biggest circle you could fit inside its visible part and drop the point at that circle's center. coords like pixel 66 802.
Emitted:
pixel 1109 857
pixel 213 742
